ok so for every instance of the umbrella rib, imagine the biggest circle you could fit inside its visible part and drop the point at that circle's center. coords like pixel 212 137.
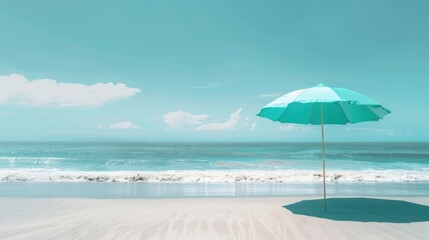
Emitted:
pixel 312 114
pixel 369 107
pixel 281 115
pixel 297 96
pixel 344 112
pixel 290 103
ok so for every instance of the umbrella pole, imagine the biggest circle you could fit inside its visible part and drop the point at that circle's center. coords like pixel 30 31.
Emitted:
pixel 323 155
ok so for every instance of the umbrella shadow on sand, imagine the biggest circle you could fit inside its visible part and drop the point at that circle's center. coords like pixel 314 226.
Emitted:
pixel 362 210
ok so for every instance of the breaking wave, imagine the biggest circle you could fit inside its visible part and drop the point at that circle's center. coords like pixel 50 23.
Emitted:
pixel 212 176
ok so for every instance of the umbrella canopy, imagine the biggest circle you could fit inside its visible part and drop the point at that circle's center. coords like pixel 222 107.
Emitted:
pixel 321 105
pixel 340 106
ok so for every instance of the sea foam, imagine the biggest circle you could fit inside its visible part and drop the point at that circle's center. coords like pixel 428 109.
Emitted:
pixel 212 176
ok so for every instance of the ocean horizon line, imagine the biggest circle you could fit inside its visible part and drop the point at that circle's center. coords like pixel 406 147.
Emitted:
pixel 214 142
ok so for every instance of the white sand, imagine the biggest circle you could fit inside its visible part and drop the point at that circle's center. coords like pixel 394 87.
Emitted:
pixel 197 218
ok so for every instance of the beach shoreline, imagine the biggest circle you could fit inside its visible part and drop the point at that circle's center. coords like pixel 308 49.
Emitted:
pixel 191 218
pixel 198 190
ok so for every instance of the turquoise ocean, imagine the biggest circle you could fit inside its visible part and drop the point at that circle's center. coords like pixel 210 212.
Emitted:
pixel 210 167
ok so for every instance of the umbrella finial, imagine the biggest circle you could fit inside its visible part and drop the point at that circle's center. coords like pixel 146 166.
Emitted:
pixel 320 85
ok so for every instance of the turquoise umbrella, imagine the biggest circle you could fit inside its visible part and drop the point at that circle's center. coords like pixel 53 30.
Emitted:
pixel 321 105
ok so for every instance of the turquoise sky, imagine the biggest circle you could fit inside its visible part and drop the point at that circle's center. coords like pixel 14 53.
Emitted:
pixel 209 59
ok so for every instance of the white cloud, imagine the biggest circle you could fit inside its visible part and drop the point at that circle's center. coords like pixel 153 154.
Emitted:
pixel 119 125
pixel 389 132
pixel 290 127
pixel 266 95
pixel 230 124
pixel 180 118
pixel 17 89
pixel 247 124
pixel 210 85
pixel 123 125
